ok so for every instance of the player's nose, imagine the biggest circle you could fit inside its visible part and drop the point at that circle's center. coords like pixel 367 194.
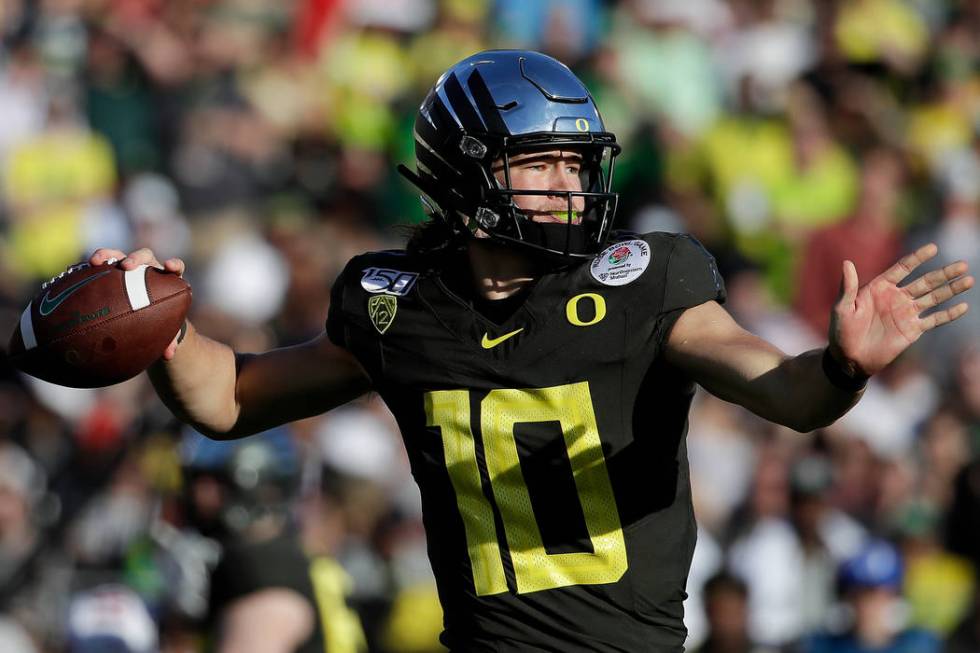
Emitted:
pixel 562 179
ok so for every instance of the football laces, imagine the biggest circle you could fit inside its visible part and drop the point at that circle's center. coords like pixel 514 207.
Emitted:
pixel 68 270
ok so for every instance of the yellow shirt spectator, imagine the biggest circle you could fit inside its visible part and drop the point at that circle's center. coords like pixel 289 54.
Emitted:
pixel 48 182
pixel 876 30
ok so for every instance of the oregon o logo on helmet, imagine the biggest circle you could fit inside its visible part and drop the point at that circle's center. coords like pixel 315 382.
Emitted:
pixel 582 124
pixel 598 303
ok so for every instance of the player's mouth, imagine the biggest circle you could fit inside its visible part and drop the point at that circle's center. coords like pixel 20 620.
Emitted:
pixel 562 217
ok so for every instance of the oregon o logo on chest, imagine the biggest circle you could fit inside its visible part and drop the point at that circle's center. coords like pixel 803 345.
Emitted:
pixel 573 314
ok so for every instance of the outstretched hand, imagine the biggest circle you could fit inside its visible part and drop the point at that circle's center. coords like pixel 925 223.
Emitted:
pixel 871 325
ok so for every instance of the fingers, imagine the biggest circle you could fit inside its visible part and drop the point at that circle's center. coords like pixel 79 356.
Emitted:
pixel 142 256
pixel 171 349
pixel 943 293
pixel 942 317
pixel 904 267
pixel 174 265
pixel 104 254
pixel 936 278
pixel 849 284
pixel 131 261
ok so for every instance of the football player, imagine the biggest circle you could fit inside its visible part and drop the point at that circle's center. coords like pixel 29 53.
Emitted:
pixel 541 368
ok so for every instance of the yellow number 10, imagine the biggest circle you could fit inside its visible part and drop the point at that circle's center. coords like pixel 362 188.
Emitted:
pixel 534 568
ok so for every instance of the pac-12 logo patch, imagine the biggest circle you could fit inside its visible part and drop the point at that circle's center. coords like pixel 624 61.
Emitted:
pixel 387 281
pixel 621 263
pixel 381 310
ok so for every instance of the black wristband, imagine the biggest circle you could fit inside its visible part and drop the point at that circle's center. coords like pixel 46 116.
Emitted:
pixel 839 378
pixel 182 332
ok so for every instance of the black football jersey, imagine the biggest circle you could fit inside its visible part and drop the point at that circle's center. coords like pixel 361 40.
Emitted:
pixel 549 448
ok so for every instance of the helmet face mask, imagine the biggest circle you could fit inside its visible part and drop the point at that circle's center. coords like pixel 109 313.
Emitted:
pixel 496 106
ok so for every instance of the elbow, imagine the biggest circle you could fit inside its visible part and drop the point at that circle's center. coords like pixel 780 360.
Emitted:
pixel 224 425
pixel 800 425
pixel 231 432
pixel 209 431
pixel 213 434
pixel 805 426
pixel 218 430
pixel 810 423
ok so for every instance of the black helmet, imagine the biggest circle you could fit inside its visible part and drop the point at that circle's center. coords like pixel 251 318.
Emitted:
pixel 494 105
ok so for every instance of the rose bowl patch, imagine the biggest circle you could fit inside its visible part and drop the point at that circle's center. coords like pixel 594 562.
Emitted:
pixel 621 263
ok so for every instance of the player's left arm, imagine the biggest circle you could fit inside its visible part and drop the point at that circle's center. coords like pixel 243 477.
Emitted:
pixel 870 327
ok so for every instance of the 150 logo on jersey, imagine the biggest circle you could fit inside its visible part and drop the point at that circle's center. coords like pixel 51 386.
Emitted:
pixel 388 281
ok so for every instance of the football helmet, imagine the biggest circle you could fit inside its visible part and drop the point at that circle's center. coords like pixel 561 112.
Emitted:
pixel 490 107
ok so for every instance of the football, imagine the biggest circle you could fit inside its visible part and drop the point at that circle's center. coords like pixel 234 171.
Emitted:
pixel 94 326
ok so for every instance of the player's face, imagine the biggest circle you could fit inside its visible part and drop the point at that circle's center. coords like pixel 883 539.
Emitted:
pixel 556 170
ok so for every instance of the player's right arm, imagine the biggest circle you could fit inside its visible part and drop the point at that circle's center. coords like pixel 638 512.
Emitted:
pixel 225 395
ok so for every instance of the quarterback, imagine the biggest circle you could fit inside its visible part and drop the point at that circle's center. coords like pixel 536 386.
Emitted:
pixel 541 365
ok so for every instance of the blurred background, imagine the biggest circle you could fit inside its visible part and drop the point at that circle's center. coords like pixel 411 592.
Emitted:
pixel 257 139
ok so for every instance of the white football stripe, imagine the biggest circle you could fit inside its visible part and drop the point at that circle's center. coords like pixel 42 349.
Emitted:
pixel 27 328
pixel 136 288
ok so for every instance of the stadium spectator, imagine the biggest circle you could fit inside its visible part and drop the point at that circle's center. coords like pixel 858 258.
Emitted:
pixel 870 583
pixel 870 238
pixel 726 603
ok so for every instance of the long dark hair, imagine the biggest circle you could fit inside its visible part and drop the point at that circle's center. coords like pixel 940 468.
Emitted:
pixel 433 235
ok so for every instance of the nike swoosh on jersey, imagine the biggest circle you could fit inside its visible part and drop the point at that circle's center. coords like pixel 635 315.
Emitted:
pixel 490 343
pixel 49 304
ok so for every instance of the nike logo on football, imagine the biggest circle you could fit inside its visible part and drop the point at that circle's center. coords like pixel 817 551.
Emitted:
pixel 49 304
pixel 490 343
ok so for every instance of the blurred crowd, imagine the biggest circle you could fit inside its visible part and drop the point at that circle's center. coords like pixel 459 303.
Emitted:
pixel 257 139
